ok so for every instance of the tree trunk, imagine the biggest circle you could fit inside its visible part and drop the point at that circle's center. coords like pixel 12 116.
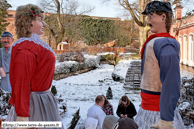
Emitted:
pixel 143 34
pixel 131 31
pixel 60 35
pixel 143 30
pixel 56 44
pixel 62 28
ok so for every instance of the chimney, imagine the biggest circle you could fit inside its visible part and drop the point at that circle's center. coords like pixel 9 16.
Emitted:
pixel 178 11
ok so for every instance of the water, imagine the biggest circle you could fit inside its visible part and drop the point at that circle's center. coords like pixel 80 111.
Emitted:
pixel 187 68
pixel 186 71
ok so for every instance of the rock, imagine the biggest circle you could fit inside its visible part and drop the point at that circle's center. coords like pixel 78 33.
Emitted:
pixel 117 78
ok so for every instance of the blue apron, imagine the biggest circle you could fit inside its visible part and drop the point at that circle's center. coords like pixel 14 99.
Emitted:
pixel 5 82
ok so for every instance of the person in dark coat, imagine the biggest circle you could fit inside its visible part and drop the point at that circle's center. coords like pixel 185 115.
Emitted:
pixel 126 108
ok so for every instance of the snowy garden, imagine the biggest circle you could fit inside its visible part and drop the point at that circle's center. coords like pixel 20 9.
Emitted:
pixel 78 91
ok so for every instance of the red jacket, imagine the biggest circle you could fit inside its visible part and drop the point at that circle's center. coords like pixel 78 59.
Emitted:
pixel 31 69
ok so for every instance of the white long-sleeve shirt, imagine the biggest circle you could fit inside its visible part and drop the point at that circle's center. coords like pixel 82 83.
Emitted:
pixel 96 112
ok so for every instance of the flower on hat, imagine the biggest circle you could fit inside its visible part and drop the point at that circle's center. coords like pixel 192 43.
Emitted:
pixel 32 12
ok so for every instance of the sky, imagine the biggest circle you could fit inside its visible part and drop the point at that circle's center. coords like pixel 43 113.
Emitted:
pixel 104 10
pixel 108 9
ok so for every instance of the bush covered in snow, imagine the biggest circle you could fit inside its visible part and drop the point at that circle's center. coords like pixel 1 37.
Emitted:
pixel 186 102
pixel 4 104
pixel 71 56
pixel 72 66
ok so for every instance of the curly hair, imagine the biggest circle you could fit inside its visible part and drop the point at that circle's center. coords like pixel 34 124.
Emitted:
pixel 168 21
pixel 23 19
pixel 125 99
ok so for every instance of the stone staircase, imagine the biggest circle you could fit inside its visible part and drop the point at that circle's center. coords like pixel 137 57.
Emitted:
pixel 133 76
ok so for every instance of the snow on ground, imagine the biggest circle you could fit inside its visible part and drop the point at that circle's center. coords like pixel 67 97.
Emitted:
pixel 186 74
pixel 81 90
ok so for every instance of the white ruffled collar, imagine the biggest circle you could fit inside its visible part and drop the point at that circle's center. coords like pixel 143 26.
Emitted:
pixel 36 39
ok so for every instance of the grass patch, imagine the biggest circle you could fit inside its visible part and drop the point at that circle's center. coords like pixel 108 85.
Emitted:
pixel 108 57
pixel 136 56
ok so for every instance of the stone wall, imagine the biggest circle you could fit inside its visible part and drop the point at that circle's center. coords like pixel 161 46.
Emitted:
pixel 59 76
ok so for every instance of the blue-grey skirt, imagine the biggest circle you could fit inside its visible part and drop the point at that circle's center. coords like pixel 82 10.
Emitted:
pixel 146 118
pixel 43 107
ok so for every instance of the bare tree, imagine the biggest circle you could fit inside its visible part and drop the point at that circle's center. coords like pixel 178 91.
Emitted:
pixel 135 8
pixel 64 9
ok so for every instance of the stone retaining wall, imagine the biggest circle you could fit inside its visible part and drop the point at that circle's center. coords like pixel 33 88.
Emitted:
pixel 64 75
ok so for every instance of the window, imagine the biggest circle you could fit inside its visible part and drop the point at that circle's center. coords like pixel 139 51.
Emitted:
pixel 191 47
pixel 185 47
pixel 185 39
pixel 180 39
pixel 10 15
pixel 181 47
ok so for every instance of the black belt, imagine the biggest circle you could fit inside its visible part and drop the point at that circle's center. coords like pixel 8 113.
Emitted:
pixel 7 72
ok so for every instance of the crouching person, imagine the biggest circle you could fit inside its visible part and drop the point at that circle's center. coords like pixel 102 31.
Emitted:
pixel 112 122
pixel 95 115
